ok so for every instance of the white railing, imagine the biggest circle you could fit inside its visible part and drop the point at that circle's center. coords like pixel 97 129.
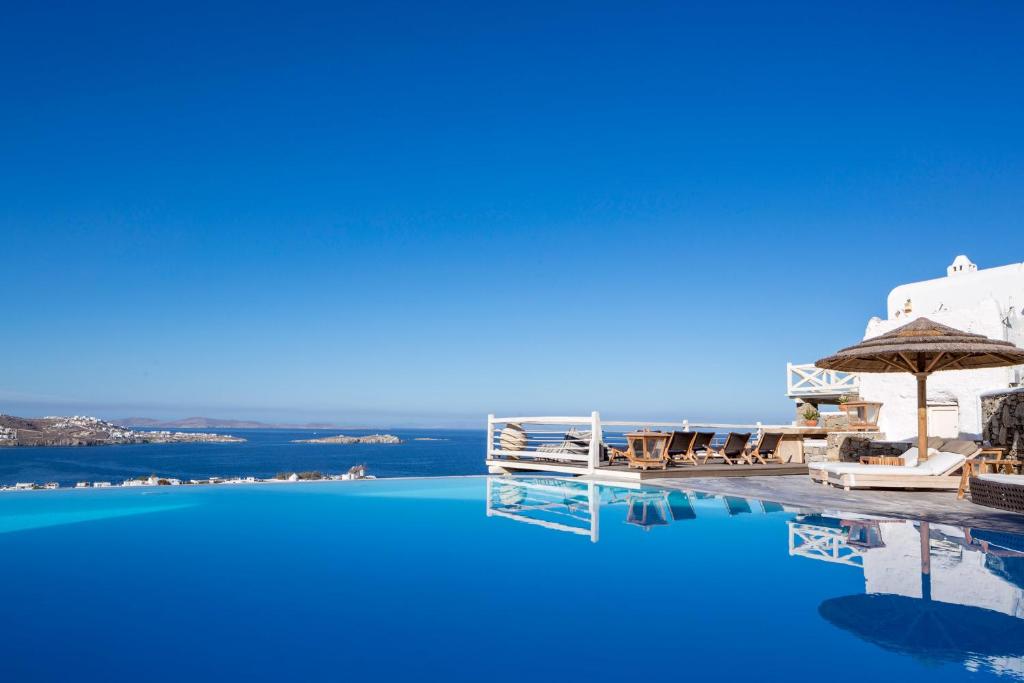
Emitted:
pixel 549 438
pixel 809 380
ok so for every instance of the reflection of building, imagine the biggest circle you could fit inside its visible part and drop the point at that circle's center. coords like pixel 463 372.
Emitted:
pixel 939 572
pixel 961 571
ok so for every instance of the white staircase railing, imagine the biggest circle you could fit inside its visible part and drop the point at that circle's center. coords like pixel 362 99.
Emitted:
pixel 808 380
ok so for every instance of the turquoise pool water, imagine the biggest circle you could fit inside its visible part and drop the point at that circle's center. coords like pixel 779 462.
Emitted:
pixel 484 579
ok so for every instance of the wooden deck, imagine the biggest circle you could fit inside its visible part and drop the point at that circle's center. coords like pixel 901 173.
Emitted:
pixel 626 473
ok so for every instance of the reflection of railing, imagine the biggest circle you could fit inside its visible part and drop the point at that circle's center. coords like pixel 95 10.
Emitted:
pixel 558 504
pixel 823 543
pixel 810 381
pixel 574 506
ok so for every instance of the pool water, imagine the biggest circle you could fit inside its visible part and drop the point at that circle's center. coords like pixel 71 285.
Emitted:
pixel 490 579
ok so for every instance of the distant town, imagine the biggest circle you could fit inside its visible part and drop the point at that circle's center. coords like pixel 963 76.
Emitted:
pixel 80 430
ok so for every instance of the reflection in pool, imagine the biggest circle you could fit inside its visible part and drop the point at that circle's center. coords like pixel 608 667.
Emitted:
pixel 934 592
pixel 474 578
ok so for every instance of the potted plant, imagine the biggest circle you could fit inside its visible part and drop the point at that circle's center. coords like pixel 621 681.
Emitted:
pixel 811 416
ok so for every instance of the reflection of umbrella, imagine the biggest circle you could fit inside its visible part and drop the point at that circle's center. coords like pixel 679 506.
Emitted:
pixel 921 348
pixel 924 627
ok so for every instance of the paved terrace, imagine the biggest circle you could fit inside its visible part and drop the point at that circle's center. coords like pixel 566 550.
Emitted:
pixel 940 507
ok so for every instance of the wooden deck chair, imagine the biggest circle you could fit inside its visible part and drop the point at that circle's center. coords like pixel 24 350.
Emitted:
pixel 767 448
pixel 702 443
pixel 680 448
pixel 734 450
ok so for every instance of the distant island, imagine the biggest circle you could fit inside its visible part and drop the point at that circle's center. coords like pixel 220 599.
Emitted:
pixel 79 430
pixel 220 423
pixel 342 439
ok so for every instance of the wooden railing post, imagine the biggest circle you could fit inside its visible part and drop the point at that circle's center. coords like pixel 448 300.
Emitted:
pixel 594 460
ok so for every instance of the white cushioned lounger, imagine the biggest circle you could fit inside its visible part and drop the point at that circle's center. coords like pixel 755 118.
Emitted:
pixel 932 473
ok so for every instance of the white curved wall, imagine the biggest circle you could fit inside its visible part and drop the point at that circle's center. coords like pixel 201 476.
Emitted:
pixel 974 301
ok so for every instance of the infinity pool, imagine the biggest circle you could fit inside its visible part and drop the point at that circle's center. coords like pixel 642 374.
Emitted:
pixel 487 579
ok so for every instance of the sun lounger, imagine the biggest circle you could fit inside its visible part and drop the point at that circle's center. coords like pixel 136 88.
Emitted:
pixel 767 448
pixel 939 471
pixel 734 450
pixel 575 443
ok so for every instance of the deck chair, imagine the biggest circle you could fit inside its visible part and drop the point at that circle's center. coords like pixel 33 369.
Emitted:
pixel 702 443
pixel 767 448
pixel 680 448
pixel 734 450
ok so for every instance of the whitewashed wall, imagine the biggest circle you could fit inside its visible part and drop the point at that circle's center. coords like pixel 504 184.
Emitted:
pixel 959 291
pixel 972 301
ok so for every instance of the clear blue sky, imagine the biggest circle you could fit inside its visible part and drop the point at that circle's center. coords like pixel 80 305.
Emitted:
pixel 425 212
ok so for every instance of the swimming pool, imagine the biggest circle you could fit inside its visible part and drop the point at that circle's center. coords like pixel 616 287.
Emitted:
pixel 482 578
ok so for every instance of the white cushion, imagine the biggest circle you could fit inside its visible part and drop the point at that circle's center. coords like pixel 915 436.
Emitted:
pixel 937 463
pixel 857 468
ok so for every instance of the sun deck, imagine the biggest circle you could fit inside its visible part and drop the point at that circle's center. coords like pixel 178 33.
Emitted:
pixel 577 446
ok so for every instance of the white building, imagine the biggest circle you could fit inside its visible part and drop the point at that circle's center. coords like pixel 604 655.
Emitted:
pixel 985 302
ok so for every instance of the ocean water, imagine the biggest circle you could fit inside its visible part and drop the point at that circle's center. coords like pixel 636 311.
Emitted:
pixel 492 579
pixel 265 453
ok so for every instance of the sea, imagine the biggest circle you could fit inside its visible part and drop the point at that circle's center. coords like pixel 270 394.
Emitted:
pixel 265 453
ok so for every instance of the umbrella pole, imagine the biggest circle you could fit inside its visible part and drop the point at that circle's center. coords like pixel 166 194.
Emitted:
pixel 922 415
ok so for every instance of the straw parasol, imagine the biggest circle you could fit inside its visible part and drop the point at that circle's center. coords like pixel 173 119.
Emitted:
pixel 921 348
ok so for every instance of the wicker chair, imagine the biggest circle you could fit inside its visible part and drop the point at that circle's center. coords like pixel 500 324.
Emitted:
pixel 1003 491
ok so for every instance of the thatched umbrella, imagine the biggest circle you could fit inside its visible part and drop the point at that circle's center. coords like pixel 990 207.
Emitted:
pixel 921 348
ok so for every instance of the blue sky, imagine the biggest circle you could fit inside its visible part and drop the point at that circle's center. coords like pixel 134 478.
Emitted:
pixel 421 213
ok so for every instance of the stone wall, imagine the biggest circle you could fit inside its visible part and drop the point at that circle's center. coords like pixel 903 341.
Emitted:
pixel 1002 416
pixel 850 446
